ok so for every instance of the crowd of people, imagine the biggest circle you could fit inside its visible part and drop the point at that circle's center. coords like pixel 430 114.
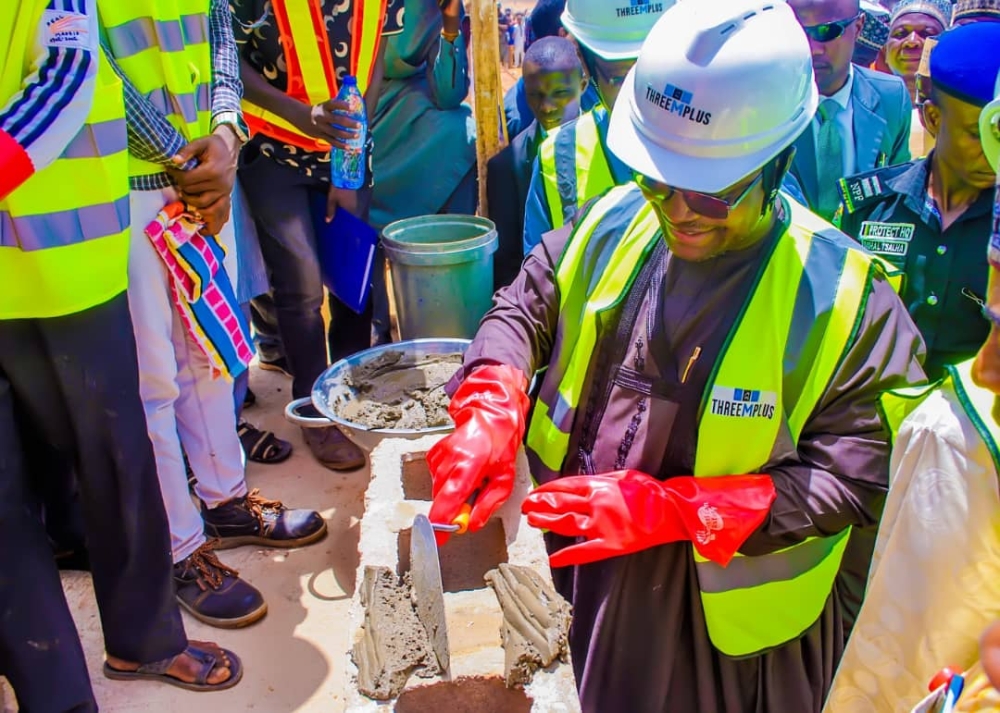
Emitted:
pixel 746 325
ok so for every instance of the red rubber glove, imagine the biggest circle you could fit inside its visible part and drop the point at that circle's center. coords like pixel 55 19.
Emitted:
pixel 627 511
pixel 489 410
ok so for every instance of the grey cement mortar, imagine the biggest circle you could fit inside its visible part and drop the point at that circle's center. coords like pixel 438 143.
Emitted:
pixel 395 391
pixel 387 513
pixel 394 644
pixel 536 622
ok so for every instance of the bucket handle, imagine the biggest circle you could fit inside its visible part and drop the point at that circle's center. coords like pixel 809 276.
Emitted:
pixel 292 414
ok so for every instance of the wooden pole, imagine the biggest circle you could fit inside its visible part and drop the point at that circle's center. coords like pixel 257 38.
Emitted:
pixel 491 129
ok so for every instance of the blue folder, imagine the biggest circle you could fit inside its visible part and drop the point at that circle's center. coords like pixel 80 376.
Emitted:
pixel 346 247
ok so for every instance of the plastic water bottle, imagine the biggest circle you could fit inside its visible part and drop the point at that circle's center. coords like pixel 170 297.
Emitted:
pixel 348 166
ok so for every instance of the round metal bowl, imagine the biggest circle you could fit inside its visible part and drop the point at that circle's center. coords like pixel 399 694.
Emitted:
pixel 330 387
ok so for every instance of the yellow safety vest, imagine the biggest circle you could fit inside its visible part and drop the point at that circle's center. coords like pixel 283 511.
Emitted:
pixel 64 231
pixel 574 167
pixel 312 76
pixel 162 47
pixel 976 401
pixel 768 377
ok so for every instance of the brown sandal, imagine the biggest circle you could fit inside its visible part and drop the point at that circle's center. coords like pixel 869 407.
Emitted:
pixel 157 671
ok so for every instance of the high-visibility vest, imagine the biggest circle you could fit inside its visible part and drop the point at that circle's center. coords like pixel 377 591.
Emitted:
pixel 573 165
pixel 768 372
pixel 312 76
pixel 162 47
pixel 976 401
pixel 64 231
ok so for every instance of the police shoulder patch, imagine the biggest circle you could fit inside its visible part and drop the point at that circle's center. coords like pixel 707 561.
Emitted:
pixel 864 189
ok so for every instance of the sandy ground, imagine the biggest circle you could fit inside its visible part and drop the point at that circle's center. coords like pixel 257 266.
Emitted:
pixel 293 659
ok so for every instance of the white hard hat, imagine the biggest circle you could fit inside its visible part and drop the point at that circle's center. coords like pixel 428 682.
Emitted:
pixel 989 129
pixel 720 89
pixel 612 29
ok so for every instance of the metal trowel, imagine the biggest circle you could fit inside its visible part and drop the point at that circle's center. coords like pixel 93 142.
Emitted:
pixel 425 576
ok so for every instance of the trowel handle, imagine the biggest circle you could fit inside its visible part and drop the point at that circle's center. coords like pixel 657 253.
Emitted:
pixel 462 519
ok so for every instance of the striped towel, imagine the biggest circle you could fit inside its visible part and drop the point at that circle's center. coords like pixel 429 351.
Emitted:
pixel 201 291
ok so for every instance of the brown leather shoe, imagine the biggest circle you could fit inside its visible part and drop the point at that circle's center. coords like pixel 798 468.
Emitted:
pixel 332 449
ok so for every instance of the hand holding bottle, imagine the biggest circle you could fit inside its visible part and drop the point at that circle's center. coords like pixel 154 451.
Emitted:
pixel 332 123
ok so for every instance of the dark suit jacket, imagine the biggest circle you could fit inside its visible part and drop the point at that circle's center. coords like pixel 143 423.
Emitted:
pixel 882 114
pixel 508 175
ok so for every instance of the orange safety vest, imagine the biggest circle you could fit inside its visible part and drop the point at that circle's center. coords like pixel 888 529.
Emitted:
pixel 312 78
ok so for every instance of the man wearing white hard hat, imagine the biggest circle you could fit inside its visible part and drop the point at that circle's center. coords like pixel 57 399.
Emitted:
pixel 574 164
pixel 706 433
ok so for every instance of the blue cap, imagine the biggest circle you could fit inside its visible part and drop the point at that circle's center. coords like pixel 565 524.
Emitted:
pixel 965 62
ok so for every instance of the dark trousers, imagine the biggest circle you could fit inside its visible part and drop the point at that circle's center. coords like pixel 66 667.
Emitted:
pixel 280 200
pixel 73 383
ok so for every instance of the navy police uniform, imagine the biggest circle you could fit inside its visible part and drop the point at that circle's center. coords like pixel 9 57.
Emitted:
pixel 889 211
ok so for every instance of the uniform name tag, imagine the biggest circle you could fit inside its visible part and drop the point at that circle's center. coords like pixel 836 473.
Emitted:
pixel 743 403
pixel 891 239
pixel 66 29
pixel 892 231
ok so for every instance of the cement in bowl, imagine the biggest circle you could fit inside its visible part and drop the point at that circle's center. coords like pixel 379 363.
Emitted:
pixel 349 392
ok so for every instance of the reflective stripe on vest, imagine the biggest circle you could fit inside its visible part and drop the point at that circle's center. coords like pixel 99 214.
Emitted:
pixel 581 299
pixel 171 35
pixel 162 47
pixel 775 367
pixel 64 232
pixel 312 76
pixel 574 167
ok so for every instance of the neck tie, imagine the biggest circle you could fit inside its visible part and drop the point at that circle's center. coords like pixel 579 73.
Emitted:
pixel 829 158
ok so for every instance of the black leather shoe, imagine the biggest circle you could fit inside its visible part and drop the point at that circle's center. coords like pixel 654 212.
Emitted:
pixel 254 520
pixel 214 593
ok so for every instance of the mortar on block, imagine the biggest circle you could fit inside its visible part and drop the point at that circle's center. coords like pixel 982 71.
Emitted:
pixel 498 632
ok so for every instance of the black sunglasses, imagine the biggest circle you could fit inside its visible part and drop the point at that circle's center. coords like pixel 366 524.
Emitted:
pixel 712 207
pixel 829 31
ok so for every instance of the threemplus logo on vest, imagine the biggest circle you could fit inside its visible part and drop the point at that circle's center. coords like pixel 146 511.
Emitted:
pixel 678 101
pixel 639 7
pixel 743 403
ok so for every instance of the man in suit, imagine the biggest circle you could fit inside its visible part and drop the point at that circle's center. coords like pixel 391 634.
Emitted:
pixel 864 117
pixel 554 83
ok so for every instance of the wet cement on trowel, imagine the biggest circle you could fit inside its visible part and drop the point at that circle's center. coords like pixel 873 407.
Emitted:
pixel 536 622
pixel 394 644
pixel 396 390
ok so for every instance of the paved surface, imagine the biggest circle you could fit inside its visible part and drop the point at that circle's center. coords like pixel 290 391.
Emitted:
pixel 293 658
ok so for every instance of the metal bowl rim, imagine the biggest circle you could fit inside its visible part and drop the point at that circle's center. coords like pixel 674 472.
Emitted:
pixel 318 394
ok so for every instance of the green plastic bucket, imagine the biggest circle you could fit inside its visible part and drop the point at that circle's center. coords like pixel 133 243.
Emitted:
pixel 442 273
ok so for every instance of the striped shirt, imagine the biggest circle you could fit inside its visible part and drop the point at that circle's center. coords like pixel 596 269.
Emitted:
pixel 150 136
pixel 38 122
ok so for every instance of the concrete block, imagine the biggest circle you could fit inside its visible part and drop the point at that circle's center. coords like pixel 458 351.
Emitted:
pixel 400 488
